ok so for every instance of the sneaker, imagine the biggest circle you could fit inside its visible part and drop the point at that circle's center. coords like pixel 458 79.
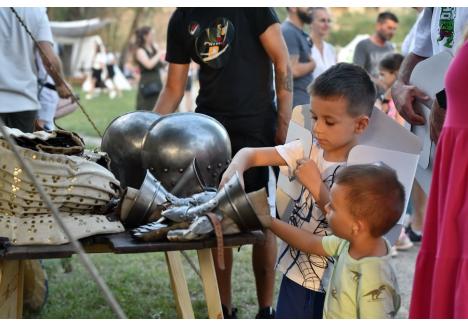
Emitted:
pixel 403 242
pixel 415 237
pixel 266 313
pixel 227 315
pixel 393 251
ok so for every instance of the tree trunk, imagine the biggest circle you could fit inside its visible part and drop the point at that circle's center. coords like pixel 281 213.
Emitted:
pixel 126 45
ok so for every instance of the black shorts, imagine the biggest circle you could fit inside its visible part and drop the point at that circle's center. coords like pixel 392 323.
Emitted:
pixel 188 86
pixel 23 120
pixel 96 74
pixel 110 71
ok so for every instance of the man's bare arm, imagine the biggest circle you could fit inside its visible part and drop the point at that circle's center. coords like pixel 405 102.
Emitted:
pixel 53 66
pixel 274 45
pixel 173 91
pixel 300 69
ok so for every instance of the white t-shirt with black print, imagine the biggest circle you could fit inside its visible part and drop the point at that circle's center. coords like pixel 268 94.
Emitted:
pixel 310 271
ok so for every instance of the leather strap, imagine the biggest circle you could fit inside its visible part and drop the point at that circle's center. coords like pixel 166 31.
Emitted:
pixel 219 238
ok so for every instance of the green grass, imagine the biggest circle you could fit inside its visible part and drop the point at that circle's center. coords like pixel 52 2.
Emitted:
pixel 101 110
pixel 140 282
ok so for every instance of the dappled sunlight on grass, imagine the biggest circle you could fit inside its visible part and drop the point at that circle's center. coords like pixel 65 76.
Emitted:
pixel 102 111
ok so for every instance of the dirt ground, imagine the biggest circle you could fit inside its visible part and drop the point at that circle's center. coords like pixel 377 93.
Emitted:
pixel 404 266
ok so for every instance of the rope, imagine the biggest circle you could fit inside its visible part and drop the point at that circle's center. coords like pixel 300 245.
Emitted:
pixel 49 64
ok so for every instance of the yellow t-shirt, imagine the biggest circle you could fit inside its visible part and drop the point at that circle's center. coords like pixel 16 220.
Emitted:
pixel 364 288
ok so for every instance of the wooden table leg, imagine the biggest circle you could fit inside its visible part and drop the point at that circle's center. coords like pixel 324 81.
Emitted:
pixel 179 285
pixel 11 289
pixel 210 283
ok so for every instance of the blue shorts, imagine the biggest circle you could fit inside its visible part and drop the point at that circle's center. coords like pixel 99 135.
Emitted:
pixel 296 301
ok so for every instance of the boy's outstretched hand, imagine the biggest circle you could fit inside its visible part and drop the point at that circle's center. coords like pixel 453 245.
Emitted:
pixel 230 172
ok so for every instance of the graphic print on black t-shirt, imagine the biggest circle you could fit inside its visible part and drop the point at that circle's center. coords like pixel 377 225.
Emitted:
pixel 213 45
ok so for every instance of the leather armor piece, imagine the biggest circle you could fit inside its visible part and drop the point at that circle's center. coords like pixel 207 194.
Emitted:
pixel 83 191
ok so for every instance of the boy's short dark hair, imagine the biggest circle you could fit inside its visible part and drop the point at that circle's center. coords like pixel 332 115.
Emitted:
pixel 386 15
pixel 391 62
pixel 350 82
pixel 374 195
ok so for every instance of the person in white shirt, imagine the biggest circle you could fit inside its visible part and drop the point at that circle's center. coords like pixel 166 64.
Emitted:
pixel 99 64
pixel 323 52
pixel 410 39
pixel 19 76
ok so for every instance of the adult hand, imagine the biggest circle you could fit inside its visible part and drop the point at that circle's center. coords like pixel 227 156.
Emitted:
pixel 436 121
pixel 63 90
pixel 403 97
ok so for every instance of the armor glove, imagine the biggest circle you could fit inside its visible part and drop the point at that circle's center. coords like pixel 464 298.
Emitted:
pixel 200 228
pixel 193 200
pixel 188 212
pixel 156 230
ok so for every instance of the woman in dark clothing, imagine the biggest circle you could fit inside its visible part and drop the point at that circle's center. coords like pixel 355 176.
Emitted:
pixel 147 58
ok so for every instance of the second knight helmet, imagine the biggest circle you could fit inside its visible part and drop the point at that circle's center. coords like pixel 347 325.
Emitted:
pixel 173 141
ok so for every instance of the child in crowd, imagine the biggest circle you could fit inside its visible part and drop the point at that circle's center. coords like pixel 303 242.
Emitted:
pixel 342 99
pixel 366 201
pixel 388 73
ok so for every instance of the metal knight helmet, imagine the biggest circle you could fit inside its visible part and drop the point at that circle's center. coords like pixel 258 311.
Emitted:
pixel 123 140
pixel 174 141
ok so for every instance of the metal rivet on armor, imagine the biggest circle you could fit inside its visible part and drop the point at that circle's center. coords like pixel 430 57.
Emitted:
pixel 181 170
pixel 219 165
pixel 208 167
pixel 166 170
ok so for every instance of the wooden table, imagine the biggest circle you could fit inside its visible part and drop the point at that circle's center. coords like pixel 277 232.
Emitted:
pixel 11 267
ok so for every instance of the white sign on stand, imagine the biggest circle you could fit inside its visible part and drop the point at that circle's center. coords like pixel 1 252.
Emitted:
pixel 428 76
pixel 383 141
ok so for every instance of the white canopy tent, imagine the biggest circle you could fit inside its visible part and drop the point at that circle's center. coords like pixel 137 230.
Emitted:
pixel 77 41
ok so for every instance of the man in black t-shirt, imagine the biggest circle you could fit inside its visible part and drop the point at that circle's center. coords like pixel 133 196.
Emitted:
pixel 236 49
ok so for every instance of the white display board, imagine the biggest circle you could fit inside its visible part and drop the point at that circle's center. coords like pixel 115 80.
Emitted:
pixel 428 76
